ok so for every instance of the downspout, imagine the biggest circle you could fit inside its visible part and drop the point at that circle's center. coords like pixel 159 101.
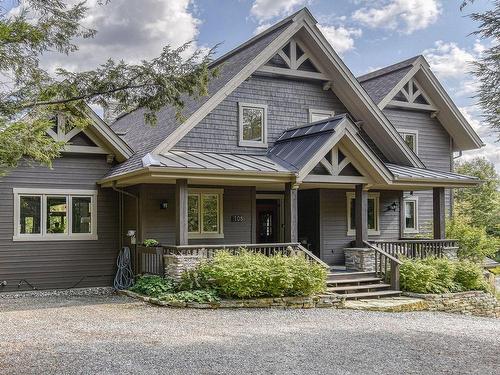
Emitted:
pixel 121 191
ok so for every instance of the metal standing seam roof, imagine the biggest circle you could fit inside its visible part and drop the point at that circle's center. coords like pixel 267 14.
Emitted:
pixel 403 172
pixel 295 147
pixel 214 161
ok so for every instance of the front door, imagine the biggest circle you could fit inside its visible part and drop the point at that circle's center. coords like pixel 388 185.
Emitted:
pixel 267 221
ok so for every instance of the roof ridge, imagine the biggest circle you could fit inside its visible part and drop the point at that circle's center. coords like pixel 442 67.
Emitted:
pixel 388 69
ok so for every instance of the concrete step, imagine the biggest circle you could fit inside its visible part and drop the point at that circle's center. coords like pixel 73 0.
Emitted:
pixel 368 295
pixel 349 275
pixel 357 281
pixel 357 288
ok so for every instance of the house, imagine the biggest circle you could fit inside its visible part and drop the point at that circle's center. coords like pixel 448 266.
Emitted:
pixel 288 146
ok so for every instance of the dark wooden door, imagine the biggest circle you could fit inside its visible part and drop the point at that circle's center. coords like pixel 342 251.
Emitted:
pixel 267 221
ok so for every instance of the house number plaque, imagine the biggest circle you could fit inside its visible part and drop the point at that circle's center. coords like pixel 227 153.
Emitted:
pixel 237 218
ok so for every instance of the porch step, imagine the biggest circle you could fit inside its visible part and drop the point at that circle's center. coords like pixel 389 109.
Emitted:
pixel 349 275
pixel 356 281
pixel 357 288
pixel 377 294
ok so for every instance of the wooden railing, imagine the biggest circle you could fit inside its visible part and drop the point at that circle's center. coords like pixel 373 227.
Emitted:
pixel 150 259
pixel 386 266
pixel 415 248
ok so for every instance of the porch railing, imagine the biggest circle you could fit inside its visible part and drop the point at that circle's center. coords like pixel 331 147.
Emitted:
pixel 386 266
pixel 150 260
pixel 415 248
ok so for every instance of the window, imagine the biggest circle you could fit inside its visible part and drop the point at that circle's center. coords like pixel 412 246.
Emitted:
pixel 373 214
pixel 54 214
pixel 411 214
pixel 252 125
pixel 319 114
pixel 205 213
pixel 411 139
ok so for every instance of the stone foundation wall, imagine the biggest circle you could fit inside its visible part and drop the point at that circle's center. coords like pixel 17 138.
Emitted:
pixel 359 259
pixel 469 303
pixel 175 265
pixel 450 253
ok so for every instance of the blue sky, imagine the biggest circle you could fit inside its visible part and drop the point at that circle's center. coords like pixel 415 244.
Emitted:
pixel 368 34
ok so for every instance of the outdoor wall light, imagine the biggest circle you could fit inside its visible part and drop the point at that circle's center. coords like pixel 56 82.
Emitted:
pixel 163 205
pixel 392 207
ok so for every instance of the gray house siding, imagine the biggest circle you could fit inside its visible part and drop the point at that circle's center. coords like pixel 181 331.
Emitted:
pixel 159 223
pixel 434 149
pixel 333 223
pixel 288 104
pixel 59 264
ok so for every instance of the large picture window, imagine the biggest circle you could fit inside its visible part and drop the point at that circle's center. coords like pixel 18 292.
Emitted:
pixel 252 125
pixel 411 215
pixel 373 214
pixel 54 214
pixel 205 213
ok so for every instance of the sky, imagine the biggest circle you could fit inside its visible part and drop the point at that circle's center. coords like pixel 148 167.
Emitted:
pixel 367 34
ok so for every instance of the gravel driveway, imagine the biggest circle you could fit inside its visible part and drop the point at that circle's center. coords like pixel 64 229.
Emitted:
pixel 117 335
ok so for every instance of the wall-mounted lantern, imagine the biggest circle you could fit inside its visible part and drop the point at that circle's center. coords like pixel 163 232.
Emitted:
pixel 163 205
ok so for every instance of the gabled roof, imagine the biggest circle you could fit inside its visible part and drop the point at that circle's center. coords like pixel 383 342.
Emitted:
pixel 383 84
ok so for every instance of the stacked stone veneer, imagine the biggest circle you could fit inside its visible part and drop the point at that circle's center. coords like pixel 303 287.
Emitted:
pixel 175 265
pixel 469 303
pixel 360 259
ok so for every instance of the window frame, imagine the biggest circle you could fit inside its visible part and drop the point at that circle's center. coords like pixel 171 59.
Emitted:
pixel 404 132
pixel 246 143
pixel 415 202
pixel 371 232
pixel 313 111
pixel 220 213
pixel 43 194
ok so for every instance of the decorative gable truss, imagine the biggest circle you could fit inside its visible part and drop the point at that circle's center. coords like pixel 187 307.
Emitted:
pixel 293 61
pixel 77 140
pixel 413 97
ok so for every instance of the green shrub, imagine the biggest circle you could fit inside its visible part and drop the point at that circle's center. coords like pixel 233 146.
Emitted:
pixel 474 242
pixel 150 242
pixel 495 271
pixel 250 275
pixel 441 275
pixel 470 276
pixel 199 296
pixel 152 286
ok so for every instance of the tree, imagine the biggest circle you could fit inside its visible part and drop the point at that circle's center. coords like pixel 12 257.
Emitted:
pixel 30 96
pixel 480 206
pixel 487 67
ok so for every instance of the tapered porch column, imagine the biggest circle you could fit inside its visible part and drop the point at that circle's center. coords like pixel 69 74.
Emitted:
pixel 439 213
pixel 361 215
pixel 291 231
pixel 181 212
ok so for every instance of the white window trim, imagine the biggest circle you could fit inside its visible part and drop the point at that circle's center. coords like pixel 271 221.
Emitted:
pixel 313 111
pixel 43 193
pixel 404 132
pixel 410 199
pixel 371 232
pixel 220 214
pixel 245 143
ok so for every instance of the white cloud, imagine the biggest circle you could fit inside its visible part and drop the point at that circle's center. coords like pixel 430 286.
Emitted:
pixel 131 30
pixel 341 38
pixel 265 10
pixel 406 16
pixel 449 60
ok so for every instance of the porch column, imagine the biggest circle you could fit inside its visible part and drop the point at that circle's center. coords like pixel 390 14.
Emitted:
pixel 291 231
pixel 439 213
pixel 361 215
pixel 181 212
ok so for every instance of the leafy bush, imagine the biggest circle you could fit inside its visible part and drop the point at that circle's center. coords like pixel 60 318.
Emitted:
pixel 470 276
pixel 441 275
pixel 249 275
pixel 199 296
pixel 153 286
pixel 496 270
pixel 474 242
pixel 150 242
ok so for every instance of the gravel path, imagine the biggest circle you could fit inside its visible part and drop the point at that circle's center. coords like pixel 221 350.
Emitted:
pixel 117 335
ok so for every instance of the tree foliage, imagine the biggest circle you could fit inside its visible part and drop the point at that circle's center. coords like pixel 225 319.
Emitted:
pixel 480 206
pixel 487 67
pixel 30 95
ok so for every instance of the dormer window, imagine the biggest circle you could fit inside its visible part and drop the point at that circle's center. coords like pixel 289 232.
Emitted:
pixel 411 139
pixel 252 125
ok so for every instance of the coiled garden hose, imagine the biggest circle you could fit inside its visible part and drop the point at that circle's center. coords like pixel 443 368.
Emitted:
pixel 124 276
